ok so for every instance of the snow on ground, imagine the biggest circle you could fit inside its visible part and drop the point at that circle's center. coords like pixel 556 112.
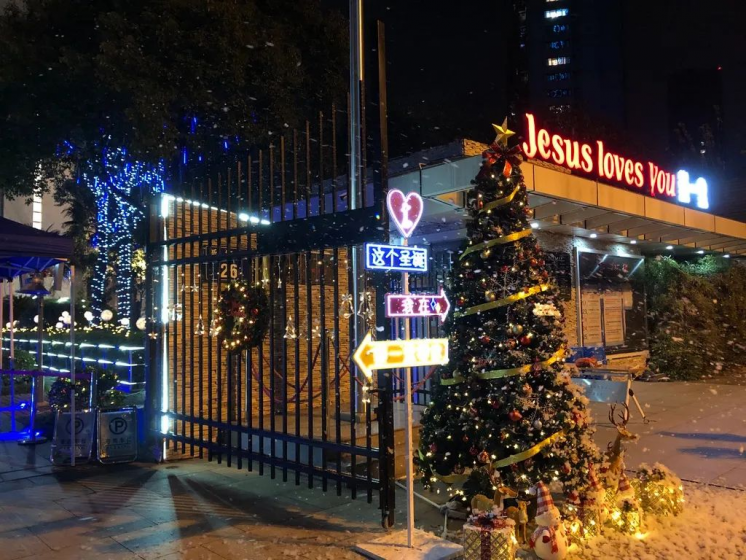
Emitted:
pixel 712 527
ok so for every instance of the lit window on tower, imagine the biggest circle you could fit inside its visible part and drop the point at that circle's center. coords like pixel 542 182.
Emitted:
pixel 560 28
pixel 554 14
pixel 36 211
pixel 563 92
pixel 557 45
pixel 558 76
pixel 558 61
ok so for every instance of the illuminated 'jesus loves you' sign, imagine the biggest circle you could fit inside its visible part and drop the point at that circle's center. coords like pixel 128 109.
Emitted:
pixel 607 165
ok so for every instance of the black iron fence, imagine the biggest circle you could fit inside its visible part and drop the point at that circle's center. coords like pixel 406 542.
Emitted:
pixel 282 219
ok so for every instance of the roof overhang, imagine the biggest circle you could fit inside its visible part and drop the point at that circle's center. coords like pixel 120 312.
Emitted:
pixel 572 205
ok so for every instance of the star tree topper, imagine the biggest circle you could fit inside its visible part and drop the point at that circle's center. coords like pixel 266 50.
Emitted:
pixel 503 133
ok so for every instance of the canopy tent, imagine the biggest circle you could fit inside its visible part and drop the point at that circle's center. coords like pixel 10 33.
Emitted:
pixel 24 249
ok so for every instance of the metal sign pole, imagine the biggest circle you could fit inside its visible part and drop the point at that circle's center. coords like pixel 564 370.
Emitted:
pixel 408 421
pixel 72 365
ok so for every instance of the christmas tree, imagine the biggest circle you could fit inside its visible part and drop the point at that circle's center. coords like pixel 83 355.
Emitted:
pixel 503 412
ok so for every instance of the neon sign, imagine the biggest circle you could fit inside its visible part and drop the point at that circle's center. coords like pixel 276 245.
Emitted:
pixel 417 305
pixel 399 258
pixel 389 354
pixel 404 210
pixel 607 165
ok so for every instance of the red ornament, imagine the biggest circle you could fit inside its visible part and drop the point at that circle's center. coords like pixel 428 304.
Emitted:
pixel 514 415
pixel 433 448
pixel 511 343
pixel 473 450
pixel 255 312
pixel 495 404
pixel 504 269
pixel 526 340
pixel 483 457
pixel 465 438
pixel 533 262
pixel 507 169
pixel 485 339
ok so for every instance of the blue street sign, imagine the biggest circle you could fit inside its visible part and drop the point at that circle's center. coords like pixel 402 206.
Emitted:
pixel 395 257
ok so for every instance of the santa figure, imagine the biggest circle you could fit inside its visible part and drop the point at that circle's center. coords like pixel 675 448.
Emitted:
pixel 549 540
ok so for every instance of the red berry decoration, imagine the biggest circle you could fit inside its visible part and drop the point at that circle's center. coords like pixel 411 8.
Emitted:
pixel 504 269
pixel 495 404
pixel 514 415
pixel 533 262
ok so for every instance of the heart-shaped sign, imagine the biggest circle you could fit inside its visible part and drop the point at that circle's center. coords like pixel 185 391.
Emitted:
pixel 405 210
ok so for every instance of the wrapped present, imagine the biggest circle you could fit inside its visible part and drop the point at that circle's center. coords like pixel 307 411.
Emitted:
pixel 590 518
pixel 489 537
pixel 658 490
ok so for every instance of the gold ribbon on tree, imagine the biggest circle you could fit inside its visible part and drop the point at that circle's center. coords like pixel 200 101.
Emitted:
pixel 523 294
pixel 507 461
pixel 500 373
pixel 499 241
pixel 500 201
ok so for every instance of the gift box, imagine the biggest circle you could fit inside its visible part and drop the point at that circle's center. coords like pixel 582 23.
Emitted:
pixel 489 538
pixel 588 514
pixel 658 490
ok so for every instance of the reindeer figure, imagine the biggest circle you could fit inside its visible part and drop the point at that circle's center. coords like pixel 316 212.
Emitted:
pixel 616 449
pixel 520 516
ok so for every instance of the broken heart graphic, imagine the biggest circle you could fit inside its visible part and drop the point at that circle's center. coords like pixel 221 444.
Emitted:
pixel 405 210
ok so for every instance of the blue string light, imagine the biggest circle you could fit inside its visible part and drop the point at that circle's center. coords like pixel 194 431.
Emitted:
pixel 115 188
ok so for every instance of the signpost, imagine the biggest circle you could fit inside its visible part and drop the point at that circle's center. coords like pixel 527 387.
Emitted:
pixel 417 305
pixel 117 436
pixel 65 438
pixel 405 212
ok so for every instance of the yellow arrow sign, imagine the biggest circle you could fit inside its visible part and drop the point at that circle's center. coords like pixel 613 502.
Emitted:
pixel 391 354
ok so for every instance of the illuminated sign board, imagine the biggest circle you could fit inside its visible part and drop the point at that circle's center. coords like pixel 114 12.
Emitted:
pixel 391 354
pixel 597 160
pixel 396 258
pixel 405 210
pixel 417 305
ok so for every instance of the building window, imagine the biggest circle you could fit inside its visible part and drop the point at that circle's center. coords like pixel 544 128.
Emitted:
pixel 554 14
pixel 558 76
pixel 558 61
pixel 557 45
pixel 559 108
pixel 560 28
pixel 561 92
pixel 36 211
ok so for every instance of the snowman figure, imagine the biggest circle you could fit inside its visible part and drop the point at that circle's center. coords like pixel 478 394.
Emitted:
pixel 548 540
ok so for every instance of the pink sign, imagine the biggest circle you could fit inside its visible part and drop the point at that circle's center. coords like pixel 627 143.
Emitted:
pixel 417 305
pixel 405 210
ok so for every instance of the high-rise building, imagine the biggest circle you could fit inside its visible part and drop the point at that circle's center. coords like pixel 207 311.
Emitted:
pixel 664 78
pixel 569 56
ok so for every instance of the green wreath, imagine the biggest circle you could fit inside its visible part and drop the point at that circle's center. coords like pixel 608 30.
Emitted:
pixel 242 316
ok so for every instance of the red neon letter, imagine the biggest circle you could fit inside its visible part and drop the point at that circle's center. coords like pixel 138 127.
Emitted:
pixel 639 179
pixel 558 154
pixel 530 148
pixel 587 164
pixel 543 138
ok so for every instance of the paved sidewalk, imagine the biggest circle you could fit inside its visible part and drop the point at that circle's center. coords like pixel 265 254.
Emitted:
pixel 189 509
pixel 698 430
pixel 195 509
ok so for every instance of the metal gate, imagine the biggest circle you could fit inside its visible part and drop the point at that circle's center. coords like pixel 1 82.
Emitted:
pixel 294 405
